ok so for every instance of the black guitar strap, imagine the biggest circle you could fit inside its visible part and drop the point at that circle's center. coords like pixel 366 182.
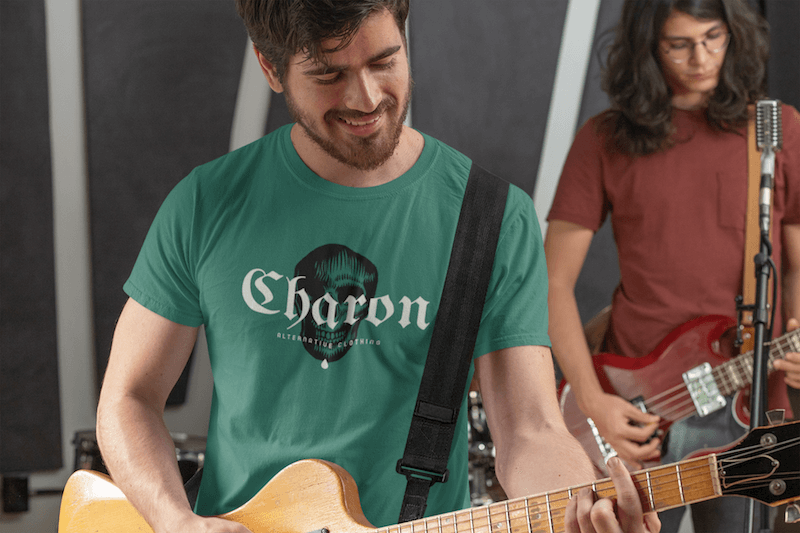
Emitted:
pixel 444 378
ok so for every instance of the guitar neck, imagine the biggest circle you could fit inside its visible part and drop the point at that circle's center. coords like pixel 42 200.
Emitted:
pixel 659 489
pixel 737 373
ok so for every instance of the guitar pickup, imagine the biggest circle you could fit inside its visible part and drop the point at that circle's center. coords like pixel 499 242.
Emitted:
pixel 703 389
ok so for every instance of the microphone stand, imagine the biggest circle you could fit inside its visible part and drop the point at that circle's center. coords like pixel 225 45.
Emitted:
pixel 761 312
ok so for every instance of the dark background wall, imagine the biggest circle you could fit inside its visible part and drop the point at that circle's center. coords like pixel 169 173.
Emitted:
pixel 30 428
pixel 161 84
pixel 484 74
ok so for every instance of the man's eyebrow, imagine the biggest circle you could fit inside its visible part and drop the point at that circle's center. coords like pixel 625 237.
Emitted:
pixel 680 38
pixel 319 68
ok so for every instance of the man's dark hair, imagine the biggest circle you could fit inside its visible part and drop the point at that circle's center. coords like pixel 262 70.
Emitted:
pixel 639 121
pixel 280 29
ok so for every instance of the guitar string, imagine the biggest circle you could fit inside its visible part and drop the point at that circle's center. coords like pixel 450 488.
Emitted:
pixel 556 514
pixel 701 465
pixel 556 506
pixel 668 408
pixel 721 376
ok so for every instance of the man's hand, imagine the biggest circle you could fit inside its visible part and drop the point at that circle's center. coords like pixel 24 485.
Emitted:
pixel 791 363
pixel 626 428
pixel 585 515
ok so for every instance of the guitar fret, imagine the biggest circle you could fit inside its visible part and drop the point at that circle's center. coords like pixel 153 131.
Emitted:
pixel 777 350
pixel 650 490
pixel 737 380
pixel 795 343
pixel 452 519
pixel 549 515
pixel 680 483
pixel 508 518
pixel 528 514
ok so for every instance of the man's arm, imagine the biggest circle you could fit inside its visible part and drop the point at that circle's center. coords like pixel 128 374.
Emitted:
pixel 566 246
pixel 536 453
pixel 148 354
pixel 790 293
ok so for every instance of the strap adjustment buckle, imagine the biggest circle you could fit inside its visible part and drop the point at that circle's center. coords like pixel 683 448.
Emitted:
pixel 419 473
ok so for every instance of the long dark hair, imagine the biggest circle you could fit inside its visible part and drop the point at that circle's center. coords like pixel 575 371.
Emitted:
pixel 639 120
pixel 281 28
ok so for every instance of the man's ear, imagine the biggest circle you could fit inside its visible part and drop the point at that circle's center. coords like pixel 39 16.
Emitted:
pixel 269 71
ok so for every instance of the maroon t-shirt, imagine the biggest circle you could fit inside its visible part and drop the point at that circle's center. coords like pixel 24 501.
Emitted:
pixel 678 219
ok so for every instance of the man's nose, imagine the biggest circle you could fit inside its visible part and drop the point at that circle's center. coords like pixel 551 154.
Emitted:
pixel 362 93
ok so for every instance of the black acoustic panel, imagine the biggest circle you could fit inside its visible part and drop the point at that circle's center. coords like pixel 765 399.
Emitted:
pixel 278 113
pixel 30 419
pixel 484 75
pixel 161 84
pixel 784 63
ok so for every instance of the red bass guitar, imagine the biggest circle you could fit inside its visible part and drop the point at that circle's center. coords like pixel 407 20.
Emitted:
pixel 690 373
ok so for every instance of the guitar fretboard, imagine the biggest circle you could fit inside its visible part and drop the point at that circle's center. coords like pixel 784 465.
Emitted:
pixel 659 489
pixel 737 373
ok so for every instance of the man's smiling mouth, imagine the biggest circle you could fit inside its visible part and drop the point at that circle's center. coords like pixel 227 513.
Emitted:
pixel 354 123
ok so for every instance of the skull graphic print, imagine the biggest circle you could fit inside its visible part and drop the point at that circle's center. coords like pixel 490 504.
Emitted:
pixel 340 282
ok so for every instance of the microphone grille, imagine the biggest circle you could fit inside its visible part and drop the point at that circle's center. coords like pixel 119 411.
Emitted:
pixel 769 129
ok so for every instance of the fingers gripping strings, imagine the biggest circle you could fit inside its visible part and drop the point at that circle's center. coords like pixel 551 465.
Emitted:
pixel 746 471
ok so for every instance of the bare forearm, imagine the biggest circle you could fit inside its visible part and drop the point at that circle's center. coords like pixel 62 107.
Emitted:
pixel 140 456
pixel 550 460
pixel 791 298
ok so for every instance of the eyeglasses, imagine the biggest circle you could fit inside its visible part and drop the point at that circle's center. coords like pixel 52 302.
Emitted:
pixel 679 50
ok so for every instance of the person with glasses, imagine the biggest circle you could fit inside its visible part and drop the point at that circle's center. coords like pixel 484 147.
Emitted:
pixel 668 163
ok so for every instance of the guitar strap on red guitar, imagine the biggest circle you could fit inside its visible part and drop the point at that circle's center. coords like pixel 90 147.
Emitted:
pixel 444 378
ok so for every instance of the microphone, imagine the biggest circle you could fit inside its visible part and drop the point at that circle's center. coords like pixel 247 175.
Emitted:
pixel 769 139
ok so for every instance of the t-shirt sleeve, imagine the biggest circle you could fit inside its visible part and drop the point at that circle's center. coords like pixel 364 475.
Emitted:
pixel 515 312
pixel 163 279
pixel 580 197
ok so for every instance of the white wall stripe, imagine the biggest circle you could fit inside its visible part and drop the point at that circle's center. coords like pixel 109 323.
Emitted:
pixel 565 104
pixel 70 221
pixel 252 102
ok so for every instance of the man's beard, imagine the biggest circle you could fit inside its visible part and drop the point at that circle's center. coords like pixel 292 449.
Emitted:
pixel 362 153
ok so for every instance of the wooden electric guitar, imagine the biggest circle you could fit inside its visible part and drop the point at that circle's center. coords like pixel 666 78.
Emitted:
pixel 314 496
pixel 691 372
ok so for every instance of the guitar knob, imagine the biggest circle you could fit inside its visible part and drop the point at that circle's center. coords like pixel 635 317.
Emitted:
pixel 792 514
pixel 776 417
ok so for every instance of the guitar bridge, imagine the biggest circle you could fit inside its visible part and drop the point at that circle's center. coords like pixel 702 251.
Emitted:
pixel 703 390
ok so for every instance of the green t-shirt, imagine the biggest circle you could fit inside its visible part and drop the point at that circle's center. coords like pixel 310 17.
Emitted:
pixel 318 302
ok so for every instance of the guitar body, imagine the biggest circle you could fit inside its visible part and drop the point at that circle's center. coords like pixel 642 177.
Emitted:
pixel 658 379
pixel 305 496
pixel 314 496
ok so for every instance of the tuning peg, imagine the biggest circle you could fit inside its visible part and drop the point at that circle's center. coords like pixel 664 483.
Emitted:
pixel 776 417
pixel 792 514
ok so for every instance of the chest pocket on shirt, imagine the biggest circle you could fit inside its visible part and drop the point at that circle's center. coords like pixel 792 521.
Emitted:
pixel 731 200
